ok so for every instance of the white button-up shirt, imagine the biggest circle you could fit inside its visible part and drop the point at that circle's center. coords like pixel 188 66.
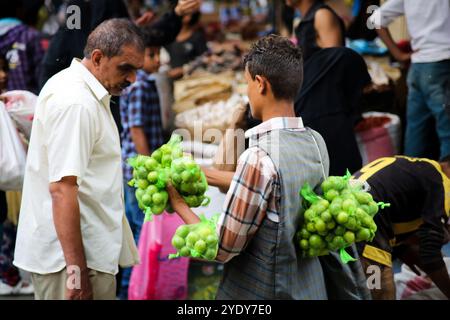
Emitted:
pixel 74 134
pixel 428 25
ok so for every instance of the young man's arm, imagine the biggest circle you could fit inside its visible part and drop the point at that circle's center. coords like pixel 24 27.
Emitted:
pixel 328 30
pixel 246 204
pixel 219 178
pixel 398 55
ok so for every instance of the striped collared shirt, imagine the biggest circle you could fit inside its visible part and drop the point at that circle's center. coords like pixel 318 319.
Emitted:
pixel 254 193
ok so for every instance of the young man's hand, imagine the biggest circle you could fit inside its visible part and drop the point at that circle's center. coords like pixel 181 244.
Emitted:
pixel 185 7
pixel 401 56
pixel 83 293
pixel 180 207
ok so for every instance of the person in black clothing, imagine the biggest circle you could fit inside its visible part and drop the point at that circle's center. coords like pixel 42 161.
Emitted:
pixel 334 80
pixel 416 225
pixel 189 44
pixel 319 28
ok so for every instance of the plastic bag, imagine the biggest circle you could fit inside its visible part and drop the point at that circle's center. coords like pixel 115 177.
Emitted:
pixel 12 154
pixel 21 105
pixel 198 240
pixel 157 277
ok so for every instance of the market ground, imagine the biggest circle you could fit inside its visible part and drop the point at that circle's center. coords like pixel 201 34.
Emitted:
pixel 397 267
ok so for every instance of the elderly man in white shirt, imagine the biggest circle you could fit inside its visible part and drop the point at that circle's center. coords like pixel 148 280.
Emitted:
pixel 72 232
pixel 429 76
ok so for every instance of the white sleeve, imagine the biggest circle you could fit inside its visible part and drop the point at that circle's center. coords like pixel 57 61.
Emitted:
pixel 70 138
pixel 387 13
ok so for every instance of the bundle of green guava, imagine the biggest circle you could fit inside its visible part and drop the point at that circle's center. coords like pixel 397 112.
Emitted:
pixel 335 220
pixel 167 164
pixel 198 240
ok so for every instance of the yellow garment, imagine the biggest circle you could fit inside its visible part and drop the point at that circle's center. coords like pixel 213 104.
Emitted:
pixel 13 199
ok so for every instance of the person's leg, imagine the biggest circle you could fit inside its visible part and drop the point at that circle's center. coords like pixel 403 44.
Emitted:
pixel 135 217
pixel 50 286
pixel 419 120
pixel 435 86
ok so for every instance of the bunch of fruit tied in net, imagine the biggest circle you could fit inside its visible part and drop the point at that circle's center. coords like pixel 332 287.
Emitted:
pixel 198 240
pixel 151 175
pixel 339 217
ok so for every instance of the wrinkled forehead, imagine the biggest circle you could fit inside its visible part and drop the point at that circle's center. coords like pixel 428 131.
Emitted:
pixel 129 58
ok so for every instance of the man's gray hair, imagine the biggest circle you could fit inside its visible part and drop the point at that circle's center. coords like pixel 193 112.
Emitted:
pixel 111 35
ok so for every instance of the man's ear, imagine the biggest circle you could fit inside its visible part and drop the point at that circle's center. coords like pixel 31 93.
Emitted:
pixel 262 84
pixel 96 57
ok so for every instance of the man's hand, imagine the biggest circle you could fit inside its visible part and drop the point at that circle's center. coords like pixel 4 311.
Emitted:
pixel 83 293
pixel 185 7
pixel 145 19
pixel 401 56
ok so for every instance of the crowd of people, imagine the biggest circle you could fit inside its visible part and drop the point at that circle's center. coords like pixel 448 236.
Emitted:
pixel 99 105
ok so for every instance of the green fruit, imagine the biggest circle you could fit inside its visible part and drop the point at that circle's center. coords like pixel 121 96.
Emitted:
pixel 304 234
pixel 158 198
pixel 157 155
pixel 146 200
pixel 204 232
pixel 326 216
pixel 365 207
pixel 320 225
pixel 210 254
pixel 338 242
pixel 337 183
pixel 182 231
pixel 349 205
pixel 310 227
pixel 141 206
pixel 176 178
pixel 319 207
pixel 166 161
pixel 192 238
pixel 142 173
pixel 331 225
pixel 185 252
pixel 304 244
pixel 178 242
pixel 201 187
pixel 342 217
pixel 166 149
pixel 363 235
pixel 151 164
pixel 151 190
pixel 351 224
pixel 200 246
pixel 363 197
pixel 152 177
pixel 177 153
pixel 331 194
pixel 323 252
pixel 349 237
pixel 139 194
pixel 310 214
pixel 315 241
pixel 157 209
pixel 211 240
pixel 329 238
pixel 313 252
pixel 142 184
pixel 326 186
pixel 186 176
pixel 340 230
pixel 373 208
pixel 335 208
pixel 140 161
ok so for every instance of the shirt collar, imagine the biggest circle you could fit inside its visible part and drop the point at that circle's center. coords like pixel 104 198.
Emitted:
pixel 96 87
pixel 279 123
pixel 144 76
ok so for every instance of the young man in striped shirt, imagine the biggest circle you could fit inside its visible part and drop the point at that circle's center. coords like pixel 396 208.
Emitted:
pixel 261 211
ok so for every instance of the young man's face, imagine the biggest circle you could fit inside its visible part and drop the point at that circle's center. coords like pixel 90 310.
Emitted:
pixel 151 60
pixel 254 94
pixel 3 74
pixel 118 72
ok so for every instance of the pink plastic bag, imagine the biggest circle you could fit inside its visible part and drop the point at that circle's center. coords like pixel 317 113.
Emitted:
pixel 157 277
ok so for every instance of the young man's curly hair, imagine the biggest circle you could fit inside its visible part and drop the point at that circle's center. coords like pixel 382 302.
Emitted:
pixel 279 61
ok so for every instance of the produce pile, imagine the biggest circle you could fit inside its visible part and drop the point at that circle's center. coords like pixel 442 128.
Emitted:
pixel 198 240
pixel 167 164
pixel 335 220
